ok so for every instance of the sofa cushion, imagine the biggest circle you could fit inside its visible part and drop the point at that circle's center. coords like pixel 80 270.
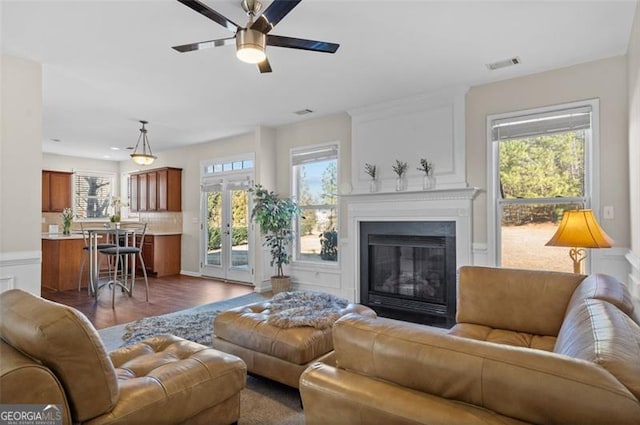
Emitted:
pixel 603 287
pixel 598 332
pixel 63 340
pixel 530 385
pixel 526 301
pixel 502 336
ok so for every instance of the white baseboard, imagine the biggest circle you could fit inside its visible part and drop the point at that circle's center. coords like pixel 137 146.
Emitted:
pixel 190 273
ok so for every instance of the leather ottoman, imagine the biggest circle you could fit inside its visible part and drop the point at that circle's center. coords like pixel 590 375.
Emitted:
pixel 280 354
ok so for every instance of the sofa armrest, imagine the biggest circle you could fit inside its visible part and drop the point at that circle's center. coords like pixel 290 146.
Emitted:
pixel 529 385
pixel 24 381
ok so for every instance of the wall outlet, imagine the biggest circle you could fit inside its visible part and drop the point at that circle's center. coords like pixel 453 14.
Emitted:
pixel 607 212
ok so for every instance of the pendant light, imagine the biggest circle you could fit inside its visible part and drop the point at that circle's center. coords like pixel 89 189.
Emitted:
pixel 146 156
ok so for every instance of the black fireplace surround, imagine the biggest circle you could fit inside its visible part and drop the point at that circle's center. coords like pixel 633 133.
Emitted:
pixel 408 270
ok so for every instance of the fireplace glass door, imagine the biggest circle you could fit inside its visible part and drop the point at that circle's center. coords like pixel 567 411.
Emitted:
pixel 408 266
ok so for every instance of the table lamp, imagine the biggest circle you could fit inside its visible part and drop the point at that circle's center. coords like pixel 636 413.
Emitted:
pixel 578 230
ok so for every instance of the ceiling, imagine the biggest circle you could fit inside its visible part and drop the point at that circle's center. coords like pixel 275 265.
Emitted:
pixel 108 63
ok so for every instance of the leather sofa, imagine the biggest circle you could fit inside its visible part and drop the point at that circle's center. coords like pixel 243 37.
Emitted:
pixel 528 347
pixel 51 354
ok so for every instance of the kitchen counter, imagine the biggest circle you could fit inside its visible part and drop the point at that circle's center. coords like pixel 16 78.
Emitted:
pixel 59 236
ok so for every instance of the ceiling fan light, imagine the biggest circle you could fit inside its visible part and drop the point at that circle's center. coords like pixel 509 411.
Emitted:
pixel 250 46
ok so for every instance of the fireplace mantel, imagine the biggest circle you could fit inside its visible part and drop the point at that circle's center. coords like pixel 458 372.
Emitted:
pixel 435 205
pixel 467 193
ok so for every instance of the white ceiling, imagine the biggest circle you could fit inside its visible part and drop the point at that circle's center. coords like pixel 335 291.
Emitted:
pixel 109 63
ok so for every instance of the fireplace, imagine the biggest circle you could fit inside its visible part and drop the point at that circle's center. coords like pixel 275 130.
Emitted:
pixel 408 270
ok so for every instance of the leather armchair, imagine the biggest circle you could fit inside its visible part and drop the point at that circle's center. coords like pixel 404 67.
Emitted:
pixel 51 354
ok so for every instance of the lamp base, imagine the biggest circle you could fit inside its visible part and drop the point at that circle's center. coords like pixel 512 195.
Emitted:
pixel 577 255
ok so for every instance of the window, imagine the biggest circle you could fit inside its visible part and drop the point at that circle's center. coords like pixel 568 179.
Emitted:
pixel 226 166
pixel 541 167
pixel 92 194
pixel 315 180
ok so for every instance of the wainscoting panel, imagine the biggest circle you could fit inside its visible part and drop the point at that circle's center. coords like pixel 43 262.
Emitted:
pixel 20 270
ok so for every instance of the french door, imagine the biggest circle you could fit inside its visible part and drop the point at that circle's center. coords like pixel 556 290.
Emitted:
pixel 226 228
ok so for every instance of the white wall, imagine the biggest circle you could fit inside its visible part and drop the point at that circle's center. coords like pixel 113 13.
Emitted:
pixel 633 72
pixel 605 80
pixel 71 163
pixel 20 174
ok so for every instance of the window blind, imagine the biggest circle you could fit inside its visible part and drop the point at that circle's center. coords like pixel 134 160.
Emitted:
pixel 322 153
pixel 544 123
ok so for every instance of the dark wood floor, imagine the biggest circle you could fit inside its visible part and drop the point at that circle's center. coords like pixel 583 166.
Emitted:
pixel 166 295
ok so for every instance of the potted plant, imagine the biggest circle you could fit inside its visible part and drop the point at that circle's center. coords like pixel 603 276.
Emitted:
pixel 371 170
pixel 400 168
pixel 275 217
pixel 428 180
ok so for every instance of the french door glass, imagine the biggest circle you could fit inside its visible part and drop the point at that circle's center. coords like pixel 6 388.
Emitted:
pixel 226 235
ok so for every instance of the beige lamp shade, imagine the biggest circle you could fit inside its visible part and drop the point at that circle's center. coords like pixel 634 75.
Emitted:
pixel 579 229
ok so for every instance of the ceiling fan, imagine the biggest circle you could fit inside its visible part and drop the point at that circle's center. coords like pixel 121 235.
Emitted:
pixel 252 39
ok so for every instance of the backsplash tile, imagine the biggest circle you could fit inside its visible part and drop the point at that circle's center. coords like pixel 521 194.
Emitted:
pixel 158 222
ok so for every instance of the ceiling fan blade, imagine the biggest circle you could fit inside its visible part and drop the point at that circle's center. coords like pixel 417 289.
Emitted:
pixel 273 14
pixel 211 14
pixel 264 66
pixel 205 44
pixel 302 44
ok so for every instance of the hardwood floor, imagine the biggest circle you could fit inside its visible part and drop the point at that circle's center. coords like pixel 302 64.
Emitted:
pixel 166 295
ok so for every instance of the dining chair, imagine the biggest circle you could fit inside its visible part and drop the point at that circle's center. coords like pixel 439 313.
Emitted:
pixel 130 238
pixel 86 254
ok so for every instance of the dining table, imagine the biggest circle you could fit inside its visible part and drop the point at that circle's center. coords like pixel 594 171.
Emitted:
pixel 118 234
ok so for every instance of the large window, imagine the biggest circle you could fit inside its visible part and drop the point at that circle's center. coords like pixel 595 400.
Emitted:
pixel 92 193
pixel 315 177
pixel 541 168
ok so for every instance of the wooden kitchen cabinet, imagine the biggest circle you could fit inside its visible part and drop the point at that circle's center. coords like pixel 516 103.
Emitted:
pixel 56 191
pixel 161 254
pixel 152 191
pixel 157 190
pixel 133 190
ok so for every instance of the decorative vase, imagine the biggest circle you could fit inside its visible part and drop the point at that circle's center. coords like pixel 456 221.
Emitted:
pixel 428 182
pixel 373 186
pixel 401 184
pixel 66 228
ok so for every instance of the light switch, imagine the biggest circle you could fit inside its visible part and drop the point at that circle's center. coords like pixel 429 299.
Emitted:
pixel 607 212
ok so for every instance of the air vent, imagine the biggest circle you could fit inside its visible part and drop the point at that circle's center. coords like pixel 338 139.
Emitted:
pixel 303 112
pixel 504 63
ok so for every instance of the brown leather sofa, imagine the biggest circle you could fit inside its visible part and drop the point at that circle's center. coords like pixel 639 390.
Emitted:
pixel 528 347
pixel 51 354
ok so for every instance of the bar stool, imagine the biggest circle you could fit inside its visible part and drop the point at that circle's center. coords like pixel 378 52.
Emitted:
pixel 86 253
pixel 120 253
